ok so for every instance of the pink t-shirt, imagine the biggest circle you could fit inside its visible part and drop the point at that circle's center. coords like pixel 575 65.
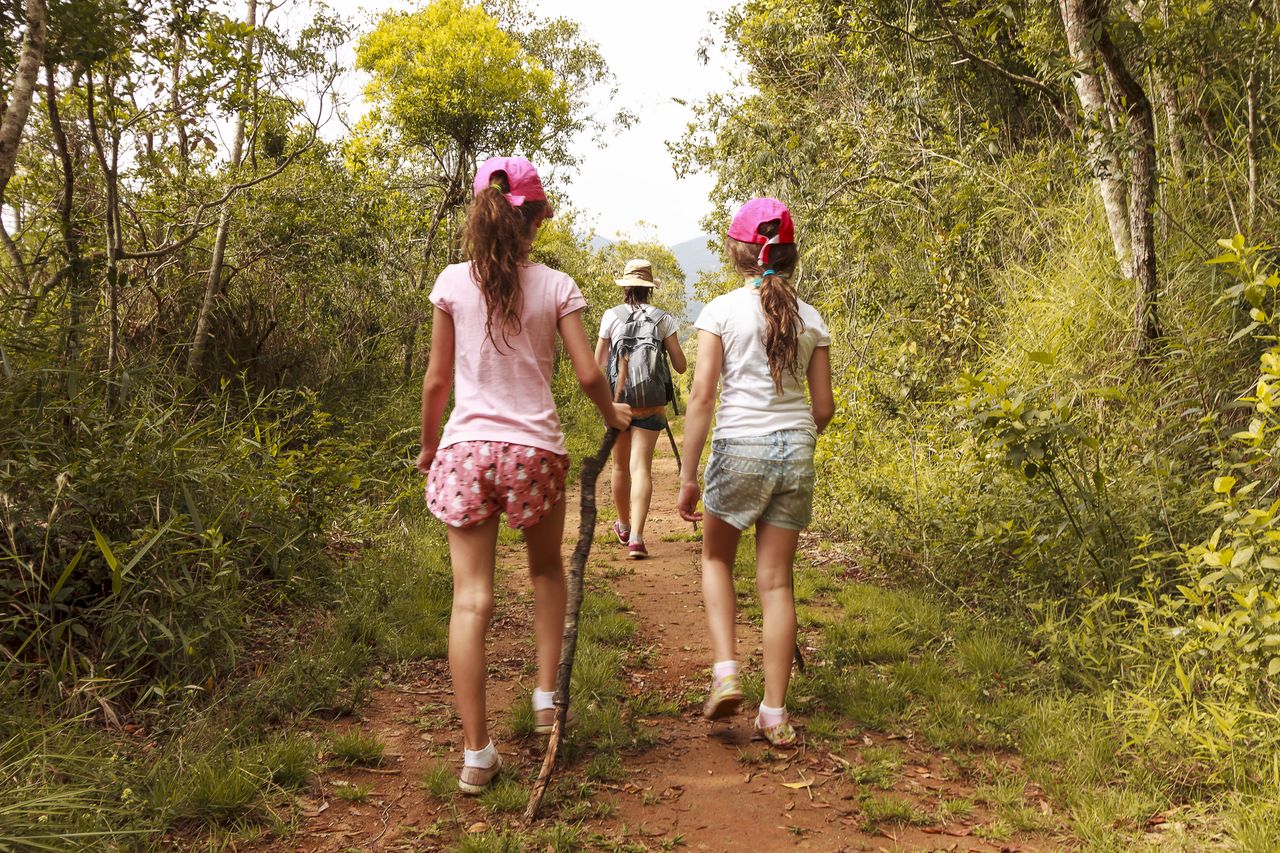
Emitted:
pixel 503 393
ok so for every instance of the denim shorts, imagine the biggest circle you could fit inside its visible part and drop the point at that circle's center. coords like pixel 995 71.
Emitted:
pixel 652 422
pixel 762 478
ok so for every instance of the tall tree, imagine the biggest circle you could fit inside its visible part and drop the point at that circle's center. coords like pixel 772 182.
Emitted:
pixel 16 109
pixel 1107 169
pixel 450 81
pixel 213 281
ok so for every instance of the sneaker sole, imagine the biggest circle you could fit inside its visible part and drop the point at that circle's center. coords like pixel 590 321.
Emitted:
pixel 546 730
pixel 760 735
pixel 474 790
pixel 726 707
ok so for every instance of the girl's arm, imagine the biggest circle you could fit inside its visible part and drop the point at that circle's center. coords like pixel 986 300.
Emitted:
pixel 436 386
pixel 678 362
pixel 821 402
pixel 602 354
pixel 590 376
pixel 697 420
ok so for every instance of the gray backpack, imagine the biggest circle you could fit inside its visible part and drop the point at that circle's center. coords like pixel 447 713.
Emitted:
pixel 648 375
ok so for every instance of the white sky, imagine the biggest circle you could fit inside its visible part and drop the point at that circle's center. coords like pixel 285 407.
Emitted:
pixel 651 47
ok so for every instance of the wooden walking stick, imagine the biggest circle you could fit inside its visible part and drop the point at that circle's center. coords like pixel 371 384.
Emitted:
pixel 577 569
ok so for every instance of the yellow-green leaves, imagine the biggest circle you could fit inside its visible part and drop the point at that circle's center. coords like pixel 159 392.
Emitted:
pixel 450 76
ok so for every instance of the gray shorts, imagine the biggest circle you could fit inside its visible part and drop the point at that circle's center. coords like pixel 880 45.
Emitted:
pixel 766 478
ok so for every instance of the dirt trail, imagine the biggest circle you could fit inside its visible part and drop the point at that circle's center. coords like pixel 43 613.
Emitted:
pixel 708 787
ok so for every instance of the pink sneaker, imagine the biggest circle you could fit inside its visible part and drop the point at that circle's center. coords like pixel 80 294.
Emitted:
pixel 725 698
pixel 637 550
pixel 623 534
pixel 474 780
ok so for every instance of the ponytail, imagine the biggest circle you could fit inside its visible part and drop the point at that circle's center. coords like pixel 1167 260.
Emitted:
pixel 782 326
pixel 778 300
pixel 498 239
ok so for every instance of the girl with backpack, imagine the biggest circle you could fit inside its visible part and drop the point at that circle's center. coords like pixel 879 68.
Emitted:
pixel 493 341
pixel 647 336
pixel 766 345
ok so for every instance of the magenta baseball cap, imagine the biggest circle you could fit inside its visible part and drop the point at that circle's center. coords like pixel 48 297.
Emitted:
pixel 521 177
pixel 747 221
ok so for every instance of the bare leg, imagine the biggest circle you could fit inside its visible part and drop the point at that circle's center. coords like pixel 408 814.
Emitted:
pixel 719 547
pixel 775 555
pixel 643 442
pixel 621 480
pixel 471 550
pixel 546 571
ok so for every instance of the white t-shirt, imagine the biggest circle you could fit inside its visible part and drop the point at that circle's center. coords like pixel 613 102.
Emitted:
pixel 749 404
pixel 613 318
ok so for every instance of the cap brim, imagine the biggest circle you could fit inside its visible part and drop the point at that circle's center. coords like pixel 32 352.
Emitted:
pixel 634 282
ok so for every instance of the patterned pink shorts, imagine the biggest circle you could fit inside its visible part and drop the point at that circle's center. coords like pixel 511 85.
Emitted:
pixel 472 480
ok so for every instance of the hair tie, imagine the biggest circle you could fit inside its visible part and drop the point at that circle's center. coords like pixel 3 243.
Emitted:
pixel 759 281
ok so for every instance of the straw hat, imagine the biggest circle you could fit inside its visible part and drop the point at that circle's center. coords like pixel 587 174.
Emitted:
pixel 637 273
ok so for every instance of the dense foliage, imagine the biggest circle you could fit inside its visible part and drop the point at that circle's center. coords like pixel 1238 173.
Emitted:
pixel 1039 232
pixel 1041 415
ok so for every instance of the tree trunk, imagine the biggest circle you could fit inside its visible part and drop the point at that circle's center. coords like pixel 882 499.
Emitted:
pixel 76 265
pixel 24 86
pixel 213 284
pixel 109 164
pixel 411 336
pixel 1169 102
pixel 1106 166
pixel 1140 124
pixel 1167 92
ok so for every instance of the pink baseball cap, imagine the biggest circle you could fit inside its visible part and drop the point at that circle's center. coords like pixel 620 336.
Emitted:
pixel 747 221
pixel 521 177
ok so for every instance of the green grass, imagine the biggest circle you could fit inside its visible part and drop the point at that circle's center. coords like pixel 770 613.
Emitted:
pixel 440 781
pixel 604 767
pixel 215 791
pixel 651 703
pixel 604 620
pixel 505 796
pixel 494 841
pixel 990 659
pixel 352 792
pixel 595 673
pixel 880 810
pixel 878 769
pixel 822 727
pixel 1253 824
pixel 355 747
pixel 290 761
pixel 952 809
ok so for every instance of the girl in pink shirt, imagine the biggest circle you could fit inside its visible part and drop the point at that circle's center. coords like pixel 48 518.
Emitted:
pixel 493 343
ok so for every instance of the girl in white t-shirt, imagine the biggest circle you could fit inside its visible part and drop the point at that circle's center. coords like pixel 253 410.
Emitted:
pixel 767 345
pixel 633 452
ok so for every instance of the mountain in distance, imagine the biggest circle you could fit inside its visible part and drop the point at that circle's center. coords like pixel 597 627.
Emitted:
pixel 694 257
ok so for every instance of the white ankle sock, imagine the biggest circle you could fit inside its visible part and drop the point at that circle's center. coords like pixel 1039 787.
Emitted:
pixel 543 699
pixel 723 668
pixel 482 758
pixel 772 716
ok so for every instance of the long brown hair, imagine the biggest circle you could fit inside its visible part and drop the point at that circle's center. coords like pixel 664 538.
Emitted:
pixel 636 296
pixel 777 298
pixel 498 239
